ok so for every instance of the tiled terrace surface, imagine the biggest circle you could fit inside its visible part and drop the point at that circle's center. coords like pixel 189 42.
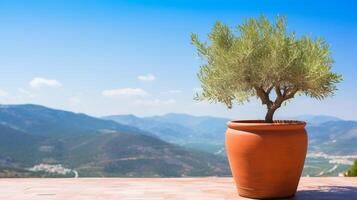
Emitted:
pixel 334 188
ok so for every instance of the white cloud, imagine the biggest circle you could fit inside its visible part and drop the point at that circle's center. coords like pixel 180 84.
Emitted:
pixel 155 102
pixel 125 92
pixel 147 77
pixel 172 92
pixel 42 82
pixel 3 93
pixel 74 101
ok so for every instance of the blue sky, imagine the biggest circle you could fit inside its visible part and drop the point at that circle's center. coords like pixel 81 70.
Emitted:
pixel 119 57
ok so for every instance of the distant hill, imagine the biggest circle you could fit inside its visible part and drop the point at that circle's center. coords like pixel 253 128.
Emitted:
pixel 336 137
pixel 187 129
pixel 18 147
pixel 332 141
pixel 32 134
pixel 167 131
pixel 131 146
pixel 209 127
pixel 136 155
pixel 316 119
pixel 179 128
pixel 39 120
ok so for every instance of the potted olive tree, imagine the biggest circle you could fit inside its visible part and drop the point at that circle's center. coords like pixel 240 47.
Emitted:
pixel 261 59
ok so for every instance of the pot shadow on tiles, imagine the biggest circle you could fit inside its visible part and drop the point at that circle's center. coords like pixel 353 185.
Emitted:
pixel 327 193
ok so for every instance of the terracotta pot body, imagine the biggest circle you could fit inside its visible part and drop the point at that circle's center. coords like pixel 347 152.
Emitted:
pixel 266 159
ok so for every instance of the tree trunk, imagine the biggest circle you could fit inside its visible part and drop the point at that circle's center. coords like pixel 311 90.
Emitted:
pixel 269 115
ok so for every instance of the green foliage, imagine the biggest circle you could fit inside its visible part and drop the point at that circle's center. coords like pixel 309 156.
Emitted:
pixel 353 170
pixel 259 57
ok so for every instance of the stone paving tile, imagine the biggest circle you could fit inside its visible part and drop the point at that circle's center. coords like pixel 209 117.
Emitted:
pixel 331 188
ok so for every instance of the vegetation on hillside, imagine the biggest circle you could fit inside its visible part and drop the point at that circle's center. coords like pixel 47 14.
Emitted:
pixel 353 170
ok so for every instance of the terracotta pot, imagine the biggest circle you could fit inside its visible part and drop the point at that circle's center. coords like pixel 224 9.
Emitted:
pixel 266 159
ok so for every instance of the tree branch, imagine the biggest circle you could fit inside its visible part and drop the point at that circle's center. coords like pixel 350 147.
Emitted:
pixel 272 106
pixel 290 93
pixel 269 89
pixel 263 95
pixel 278 91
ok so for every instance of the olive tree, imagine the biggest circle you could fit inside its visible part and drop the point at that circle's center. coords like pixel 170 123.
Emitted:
pixel 262 59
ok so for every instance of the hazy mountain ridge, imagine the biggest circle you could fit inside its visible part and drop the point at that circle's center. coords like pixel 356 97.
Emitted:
pixel 332 141
pixel 336 137
pixel 179 128
pixel 41 120
pixel 190 130
pixel 170 132
pixel 31 134
pixel 316 119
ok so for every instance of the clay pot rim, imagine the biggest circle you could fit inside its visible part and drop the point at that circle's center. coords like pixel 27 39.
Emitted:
pixel 262 125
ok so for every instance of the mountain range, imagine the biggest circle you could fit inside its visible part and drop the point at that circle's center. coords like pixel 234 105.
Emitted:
pixel 327 133
pixel 332 141
pixel 178 128
pixel 31 135
pixel 171 145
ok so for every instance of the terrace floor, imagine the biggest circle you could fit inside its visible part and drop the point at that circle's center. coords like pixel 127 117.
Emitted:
pixel 333 188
